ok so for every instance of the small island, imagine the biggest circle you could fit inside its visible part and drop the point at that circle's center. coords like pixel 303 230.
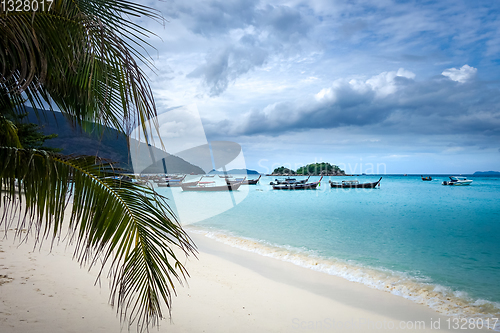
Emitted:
pixel 486 173
pixel 314 169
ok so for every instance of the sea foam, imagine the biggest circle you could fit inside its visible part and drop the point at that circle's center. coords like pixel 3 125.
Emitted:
pixel 418 289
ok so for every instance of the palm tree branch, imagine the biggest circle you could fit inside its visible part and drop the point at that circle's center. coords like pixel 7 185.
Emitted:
pixel 97 34
pixel 128 228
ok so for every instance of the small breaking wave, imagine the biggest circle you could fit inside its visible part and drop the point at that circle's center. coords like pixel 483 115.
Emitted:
pixel 420 290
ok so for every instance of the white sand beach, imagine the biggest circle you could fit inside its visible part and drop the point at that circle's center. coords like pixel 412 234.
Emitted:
pixel 230 290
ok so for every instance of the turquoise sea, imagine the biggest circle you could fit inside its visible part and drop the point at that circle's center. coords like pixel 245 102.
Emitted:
pixel 436 245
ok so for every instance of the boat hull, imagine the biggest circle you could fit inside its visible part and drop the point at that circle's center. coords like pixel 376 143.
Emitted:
pixel 245 182
pixel 458 183
pixel 227 187
pixel 177 184
pixel 310 186
pixel 289 181
pixel 364 185
pixel 297 186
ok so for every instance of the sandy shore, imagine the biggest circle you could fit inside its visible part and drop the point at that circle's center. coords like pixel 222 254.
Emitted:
pixel 230 290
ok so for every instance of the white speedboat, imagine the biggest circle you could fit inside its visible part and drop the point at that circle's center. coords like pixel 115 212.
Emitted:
pixel 457 181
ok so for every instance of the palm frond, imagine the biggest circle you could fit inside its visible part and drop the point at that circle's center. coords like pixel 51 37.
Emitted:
pixel 81 56
pixel 129 226
pixel 8 133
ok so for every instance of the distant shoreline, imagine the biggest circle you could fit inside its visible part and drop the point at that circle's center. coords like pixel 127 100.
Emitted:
pixel 295 175
pixel 490 173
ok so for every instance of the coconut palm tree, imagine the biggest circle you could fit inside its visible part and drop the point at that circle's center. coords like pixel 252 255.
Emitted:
pixel 84 57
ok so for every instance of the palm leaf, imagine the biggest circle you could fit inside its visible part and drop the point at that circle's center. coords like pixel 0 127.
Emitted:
pixel 8 133
pixel 129 226
pixel 81 56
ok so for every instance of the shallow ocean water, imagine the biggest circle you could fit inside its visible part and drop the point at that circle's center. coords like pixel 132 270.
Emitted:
pixel 437 245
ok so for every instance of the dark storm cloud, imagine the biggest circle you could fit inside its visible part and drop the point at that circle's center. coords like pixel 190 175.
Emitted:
pixel 283 22
pixel 212 18
pixel 262 30
pixel 216 18
pixel 226 65
pixel 396 106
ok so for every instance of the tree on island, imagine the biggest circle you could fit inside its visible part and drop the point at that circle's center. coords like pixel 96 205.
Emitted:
pixel 319 169
pixel 314 169
pixel 81 56
pixel 283 171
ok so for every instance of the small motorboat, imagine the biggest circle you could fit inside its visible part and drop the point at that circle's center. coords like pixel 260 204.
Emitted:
pixel 354 184
pixel 428 178
pixel 298 186
pixel 457 181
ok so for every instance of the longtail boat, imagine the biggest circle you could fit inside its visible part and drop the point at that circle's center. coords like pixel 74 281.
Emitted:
pixel 244 181
pixel 252 181
pixel 354 184
pixel 179 183
pixel 208 187
pixel 289 181
pixel 172 177
pixel 298 186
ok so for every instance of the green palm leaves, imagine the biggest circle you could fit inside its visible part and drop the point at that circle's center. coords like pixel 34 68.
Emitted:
pixel 81 56
pixel 8 133
pixel 113 221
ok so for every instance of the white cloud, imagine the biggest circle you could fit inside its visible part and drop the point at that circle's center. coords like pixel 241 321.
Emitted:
pixel 461 75
pixel 257 66
pixel 390 102
pixel 383 85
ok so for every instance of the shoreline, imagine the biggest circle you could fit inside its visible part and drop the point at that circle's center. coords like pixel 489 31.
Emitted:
pixel 322 302
pixel 438 298
pixel 230 290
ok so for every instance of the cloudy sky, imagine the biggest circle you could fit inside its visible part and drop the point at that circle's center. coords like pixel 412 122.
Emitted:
pixel 370 85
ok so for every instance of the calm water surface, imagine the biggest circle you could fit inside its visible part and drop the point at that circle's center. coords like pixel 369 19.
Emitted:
pixel 437 245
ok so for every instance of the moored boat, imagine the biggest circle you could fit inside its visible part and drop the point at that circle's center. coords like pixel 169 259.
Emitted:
pixel 172 182
pixel 428 178
pixel 457 181
pixel 354 184
pixel 209 187
pixel 178 183
pixel 297 185
pixel 175 177
pixel 289 181
pixel 244 181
